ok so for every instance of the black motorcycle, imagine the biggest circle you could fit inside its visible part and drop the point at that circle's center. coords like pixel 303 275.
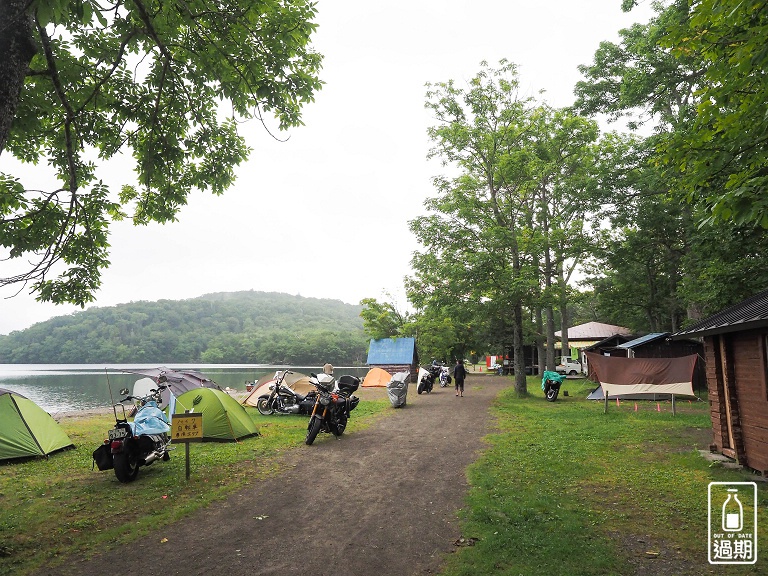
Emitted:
pixel 283 400
pixel 427 381
pixel 333 405
pixel 550 384
pixel 131 445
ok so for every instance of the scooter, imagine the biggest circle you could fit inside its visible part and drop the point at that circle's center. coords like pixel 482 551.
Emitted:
pixel 142 442
pixel 283 400
pixel 333 404
pixel 445 377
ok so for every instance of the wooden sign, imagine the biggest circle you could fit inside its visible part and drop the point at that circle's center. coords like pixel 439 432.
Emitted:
pixel 187 427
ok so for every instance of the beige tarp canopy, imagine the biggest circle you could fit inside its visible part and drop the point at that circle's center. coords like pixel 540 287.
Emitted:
pixel 296 381
pixel 376 377
pixel 622 376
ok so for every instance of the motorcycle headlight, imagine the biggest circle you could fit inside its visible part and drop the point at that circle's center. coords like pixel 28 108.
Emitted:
pixel 324 400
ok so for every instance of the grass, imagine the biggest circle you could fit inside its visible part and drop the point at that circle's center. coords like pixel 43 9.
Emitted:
pixel 51 508
pixel 566 489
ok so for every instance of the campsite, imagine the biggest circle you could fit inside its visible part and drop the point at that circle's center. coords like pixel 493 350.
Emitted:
pixel 544 488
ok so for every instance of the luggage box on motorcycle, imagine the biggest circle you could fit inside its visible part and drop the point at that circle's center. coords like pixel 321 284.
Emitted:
pixel 348 384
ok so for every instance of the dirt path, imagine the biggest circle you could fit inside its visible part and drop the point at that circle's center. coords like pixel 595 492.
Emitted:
pixel 380 501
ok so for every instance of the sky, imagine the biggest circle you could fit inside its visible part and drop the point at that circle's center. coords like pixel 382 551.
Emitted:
pixel 324 213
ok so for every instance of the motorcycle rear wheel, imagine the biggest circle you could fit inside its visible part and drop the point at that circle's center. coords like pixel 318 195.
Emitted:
pixel 263 406
pixel 313 429
pixel 552 394
pixel 126 466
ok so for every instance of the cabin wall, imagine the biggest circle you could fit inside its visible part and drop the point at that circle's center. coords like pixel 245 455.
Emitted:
pixel 737 376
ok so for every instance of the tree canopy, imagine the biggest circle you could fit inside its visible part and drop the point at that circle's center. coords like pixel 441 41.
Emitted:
pixel 167 83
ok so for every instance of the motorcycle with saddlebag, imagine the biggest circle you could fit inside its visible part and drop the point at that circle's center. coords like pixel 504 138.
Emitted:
pixel 131 445
pixel 333 405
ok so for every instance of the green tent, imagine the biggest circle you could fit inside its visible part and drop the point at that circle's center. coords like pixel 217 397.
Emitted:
pixel 224 418
pixel 26 429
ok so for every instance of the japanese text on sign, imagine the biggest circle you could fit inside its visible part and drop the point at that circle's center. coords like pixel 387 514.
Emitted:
pixel 187 427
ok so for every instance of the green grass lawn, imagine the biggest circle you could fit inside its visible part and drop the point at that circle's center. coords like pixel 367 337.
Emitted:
pixel 566 489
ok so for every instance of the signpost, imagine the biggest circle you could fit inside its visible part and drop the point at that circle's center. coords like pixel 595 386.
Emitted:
pixel 186 428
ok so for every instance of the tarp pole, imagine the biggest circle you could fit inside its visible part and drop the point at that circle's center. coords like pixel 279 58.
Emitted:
pixel 605 408
pixel 673 404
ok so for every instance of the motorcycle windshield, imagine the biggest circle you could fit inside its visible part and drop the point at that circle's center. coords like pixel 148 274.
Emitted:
pixel 150 420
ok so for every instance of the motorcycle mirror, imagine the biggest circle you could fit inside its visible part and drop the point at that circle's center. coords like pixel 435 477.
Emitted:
pixel 124 391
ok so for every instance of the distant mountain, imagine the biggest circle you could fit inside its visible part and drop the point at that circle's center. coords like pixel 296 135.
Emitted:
pixel 230 327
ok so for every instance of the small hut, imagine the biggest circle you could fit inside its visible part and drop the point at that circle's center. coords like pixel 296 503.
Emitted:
pixel 394 355
pixel 736 356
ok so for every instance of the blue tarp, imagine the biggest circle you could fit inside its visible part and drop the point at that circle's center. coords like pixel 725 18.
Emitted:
pixel 150 420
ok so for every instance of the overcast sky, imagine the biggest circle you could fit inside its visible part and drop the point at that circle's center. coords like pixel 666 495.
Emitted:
pixel 325 213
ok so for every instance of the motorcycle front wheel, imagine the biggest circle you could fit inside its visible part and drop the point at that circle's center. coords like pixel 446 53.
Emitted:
pixel 313 429
pixel 126 466
pixel 422 384
pixel 263 406
pixel 552 394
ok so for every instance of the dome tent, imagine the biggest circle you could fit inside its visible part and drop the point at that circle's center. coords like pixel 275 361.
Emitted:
pixel 26 430
pixel 224 419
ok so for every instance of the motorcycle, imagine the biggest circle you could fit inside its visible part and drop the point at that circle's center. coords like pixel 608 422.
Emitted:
pixel 142 442
pixel 445 377
pixel 427 380
pixel 333 404
pixel 283 400
pixel 550 383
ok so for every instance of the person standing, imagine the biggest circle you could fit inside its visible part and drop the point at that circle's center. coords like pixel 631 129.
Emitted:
pixel 459 374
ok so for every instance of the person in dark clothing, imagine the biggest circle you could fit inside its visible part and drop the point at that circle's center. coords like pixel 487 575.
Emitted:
pixel 459 374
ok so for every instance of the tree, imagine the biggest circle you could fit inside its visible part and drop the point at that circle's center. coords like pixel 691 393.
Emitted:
pixel 668 255
pixel 503 227
pixel 723 158
pixel 382 319
pixel 82 82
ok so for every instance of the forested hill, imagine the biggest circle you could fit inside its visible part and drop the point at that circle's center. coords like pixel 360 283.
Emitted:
pixel 233 327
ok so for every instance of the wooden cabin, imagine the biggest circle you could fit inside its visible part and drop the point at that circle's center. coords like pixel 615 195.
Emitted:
pixel 736 357
pixel 394 355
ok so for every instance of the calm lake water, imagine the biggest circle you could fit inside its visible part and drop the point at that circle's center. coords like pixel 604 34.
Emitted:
pixel 68 387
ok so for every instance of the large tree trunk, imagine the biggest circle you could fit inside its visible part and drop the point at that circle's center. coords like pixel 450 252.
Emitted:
pixel 541 349
pixel 16 50
pixel 521 385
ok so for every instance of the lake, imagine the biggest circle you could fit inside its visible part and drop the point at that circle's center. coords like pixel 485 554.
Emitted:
pixel 69 387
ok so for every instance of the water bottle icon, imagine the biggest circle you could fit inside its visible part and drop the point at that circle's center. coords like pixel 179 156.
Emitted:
pixel 733 512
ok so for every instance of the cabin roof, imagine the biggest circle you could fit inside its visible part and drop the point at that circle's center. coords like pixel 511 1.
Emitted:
pixel 392 351
pixel 746 315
